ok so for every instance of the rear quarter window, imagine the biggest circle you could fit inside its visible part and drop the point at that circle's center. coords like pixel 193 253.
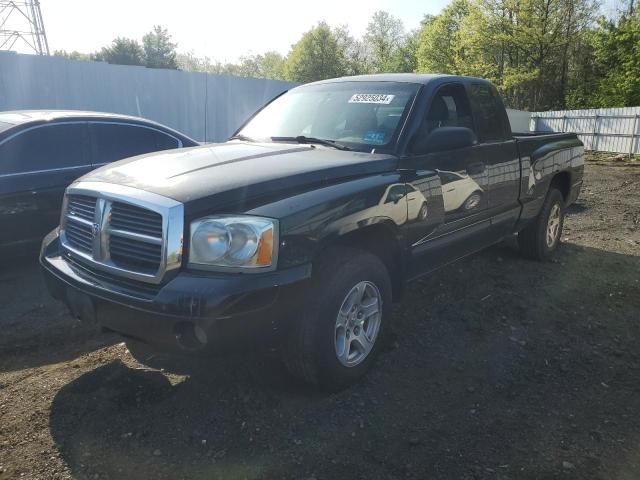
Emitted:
pixel 115 141
pixel 489 113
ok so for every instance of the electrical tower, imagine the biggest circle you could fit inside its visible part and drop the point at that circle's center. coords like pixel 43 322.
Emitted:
pixel 21 26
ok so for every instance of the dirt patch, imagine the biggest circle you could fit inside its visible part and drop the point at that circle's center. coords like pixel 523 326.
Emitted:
pixel 503 369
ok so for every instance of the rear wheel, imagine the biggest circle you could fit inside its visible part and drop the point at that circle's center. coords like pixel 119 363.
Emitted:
pixel 422 214
pixel 541 238
pixel 334 336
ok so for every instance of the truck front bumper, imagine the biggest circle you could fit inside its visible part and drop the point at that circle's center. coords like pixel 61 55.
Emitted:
pixel 191 311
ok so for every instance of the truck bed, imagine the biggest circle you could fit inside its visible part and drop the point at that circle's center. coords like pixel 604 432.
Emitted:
pixel 531 144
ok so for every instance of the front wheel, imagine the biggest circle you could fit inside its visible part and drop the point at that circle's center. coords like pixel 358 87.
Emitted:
pixel 336 332
pixel 541 238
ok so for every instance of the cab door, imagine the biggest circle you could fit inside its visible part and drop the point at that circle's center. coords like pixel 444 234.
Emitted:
pixel 502 159
pixel 453 184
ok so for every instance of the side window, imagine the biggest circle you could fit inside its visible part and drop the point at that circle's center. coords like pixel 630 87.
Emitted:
pixel 489 113
pixel 114 141
pixel 449 108
pixel 164 141
pixel 449 177
pixel 44 148
pixel 395 193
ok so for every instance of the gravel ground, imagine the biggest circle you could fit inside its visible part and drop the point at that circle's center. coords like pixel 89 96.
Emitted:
pixel 503 368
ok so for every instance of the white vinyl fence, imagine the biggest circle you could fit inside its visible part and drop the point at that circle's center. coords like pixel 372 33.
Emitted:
pixel 602 129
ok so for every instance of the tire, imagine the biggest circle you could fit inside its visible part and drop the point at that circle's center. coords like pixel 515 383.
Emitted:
pixel 472 201
pixel 316 333
pixel 540 239
pixel 140 351
pixel 423 212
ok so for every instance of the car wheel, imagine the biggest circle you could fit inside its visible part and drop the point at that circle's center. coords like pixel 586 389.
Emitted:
pixel 541 238
pixel 472 201
pixel 336 332
pixel 422 214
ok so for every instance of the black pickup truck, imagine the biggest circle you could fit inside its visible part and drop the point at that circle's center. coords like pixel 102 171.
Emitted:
pixel 306 225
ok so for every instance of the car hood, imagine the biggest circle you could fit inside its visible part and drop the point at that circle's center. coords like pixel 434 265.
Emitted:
pixel 239 171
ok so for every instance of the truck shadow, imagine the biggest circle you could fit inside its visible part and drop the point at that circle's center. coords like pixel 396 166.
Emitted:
pixel 503 368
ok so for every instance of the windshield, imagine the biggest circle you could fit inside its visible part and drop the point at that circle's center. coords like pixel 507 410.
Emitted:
pixel 361 115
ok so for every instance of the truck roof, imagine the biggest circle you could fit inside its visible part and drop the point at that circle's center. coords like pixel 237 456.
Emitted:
pixel 422 78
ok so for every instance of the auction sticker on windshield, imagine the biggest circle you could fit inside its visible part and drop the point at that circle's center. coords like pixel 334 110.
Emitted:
pixel 371 98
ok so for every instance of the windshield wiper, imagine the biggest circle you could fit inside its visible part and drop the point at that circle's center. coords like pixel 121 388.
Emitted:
pixel 304 139
pixel 242 137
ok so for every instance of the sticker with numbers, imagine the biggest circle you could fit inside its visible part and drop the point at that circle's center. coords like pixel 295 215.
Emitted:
pixel 372 98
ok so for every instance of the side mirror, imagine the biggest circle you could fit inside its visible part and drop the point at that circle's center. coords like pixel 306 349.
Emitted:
pixel 444 138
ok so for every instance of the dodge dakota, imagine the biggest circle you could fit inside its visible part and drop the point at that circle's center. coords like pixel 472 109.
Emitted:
pixel 306 225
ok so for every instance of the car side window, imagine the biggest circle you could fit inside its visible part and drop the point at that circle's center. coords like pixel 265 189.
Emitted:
pixel 489 113
pixel 449 177
pixel 45 147
pixel 115 141
pixel 395 193
pixel 449 108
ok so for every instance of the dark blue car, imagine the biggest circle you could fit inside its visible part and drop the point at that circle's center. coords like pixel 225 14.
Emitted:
pixel 41 152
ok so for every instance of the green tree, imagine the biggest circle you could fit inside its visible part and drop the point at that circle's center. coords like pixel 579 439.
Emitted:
pixel 191 63
pixel 439 45
pixel 405 57
pixel 122 51
pixel 316 56
pixel 267 65
pixel 272 66
pixel 385 38
pixel 159 51
pixel 74 55
pixel 533 50
pixel 617 54
pixel 357 59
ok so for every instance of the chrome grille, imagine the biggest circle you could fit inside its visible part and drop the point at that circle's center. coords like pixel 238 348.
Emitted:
pixel 80 213
pixel 80 236
pixel 135 254
pixel 110 281
pixel 122 230
pixel 135 219
pixel 82 206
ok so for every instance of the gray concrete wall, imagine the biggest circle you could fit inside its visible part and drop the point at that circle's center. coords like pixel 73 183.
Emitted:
pixel 205 107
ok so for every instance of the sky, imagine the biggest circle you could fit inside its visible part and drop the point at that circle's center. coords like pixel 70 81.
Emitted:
pixel 221 30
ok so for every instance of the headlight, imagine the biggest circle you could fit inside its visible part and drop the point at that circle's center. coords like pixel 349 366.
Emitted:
pixel 241 243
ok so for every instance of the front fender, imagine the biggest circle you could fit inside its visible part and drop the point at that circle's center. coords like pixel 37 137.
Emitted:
pixel 311 219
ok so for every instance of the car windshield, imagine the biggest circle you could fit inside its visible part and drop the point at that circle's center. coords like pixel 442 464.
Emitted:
pixel 360 115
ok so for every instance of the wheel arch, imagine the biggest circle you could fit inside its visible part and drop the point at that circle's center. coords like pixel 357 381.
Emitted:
pixel 562 181
pixel 381 239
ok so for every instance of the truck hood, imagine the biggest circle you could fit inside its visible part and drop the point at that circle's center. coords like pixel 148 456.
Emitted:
pixel 235 172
